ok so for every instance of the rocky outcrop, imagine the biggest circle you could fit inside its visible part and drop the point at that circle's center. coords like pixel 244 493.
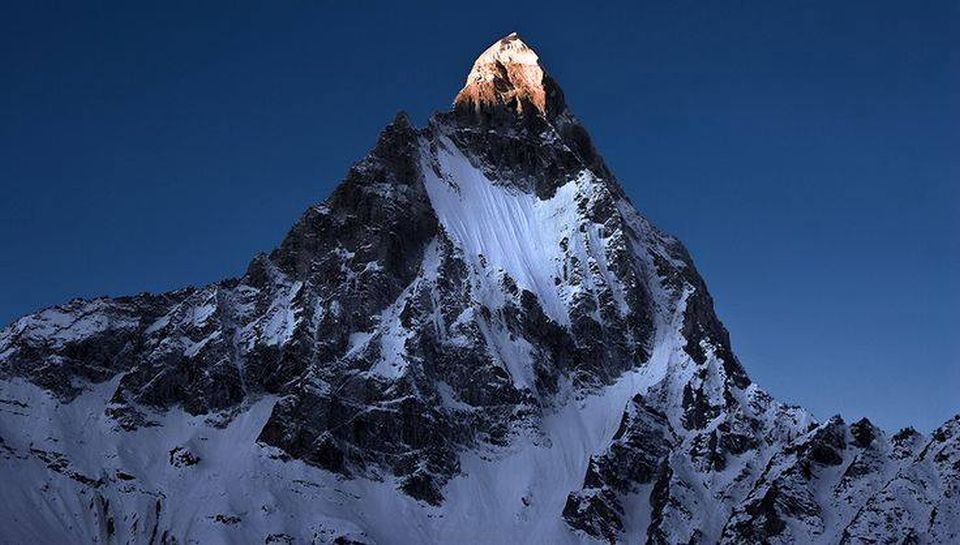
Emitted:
pixel 507 80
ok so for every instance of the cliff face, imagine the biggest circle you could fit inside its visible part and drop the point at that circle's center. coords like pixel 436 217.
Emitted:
pixel 475 339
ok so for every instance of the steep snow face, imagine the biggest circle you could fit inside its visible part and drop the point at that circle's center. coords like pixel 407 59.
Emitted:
pixel 476 339
pixel 533 241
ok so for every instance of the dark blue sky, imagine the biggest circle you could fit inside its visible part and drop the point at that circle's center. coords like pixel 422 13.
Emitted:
pixel 806 152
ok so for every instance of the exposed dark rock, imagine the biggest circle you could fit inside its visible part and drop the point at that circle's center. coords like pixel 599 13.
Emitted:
pixel 182 457
pixel 641 444
pixel 863 432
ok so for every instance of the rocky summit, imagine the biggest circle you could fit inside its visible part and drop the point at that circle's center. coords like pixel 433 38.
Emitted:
pixel 476 339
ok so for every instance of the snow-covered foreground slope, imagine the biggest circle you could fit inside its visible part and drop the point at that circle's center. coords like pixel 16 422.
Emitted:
pixel 78 479
pixel 475 339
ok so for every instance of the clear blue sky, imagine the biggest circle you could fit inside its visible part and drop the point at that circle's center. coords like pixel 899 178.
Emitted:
pixel 808 154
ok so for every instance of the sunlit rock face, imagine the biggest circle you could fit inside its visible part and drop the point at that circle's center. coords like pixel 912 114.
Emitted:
pixel 476 338
pixel 512 117
pixel 508 76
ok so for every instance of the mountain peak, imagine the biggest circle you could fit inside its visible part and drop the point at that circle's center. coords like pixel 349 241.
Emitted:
pixel 476 306
pixel 508 77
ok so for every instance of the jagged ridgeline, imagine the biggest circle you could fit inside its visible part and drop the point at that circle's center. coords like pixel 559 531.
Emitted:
pixel 476 339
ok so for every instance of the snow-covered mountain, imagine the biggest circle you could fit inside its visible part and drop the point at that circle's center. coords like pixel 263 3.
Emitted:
pixel 476 339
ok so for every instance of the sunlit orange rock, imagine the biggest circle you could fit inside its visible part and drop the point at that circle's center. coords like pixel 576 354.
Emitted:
pixel 508 77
